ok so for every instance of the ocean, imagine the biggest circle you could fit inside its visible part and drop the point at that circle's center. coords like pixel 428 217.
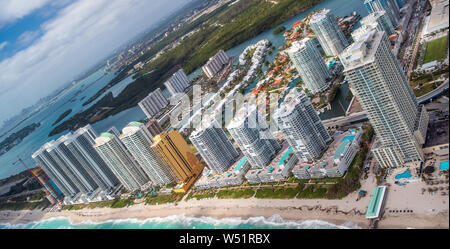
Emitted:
pixel 183 222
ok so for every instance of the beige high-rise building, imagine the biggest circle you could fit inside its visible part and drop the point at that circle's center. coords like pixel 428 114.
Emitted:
pixel 172 148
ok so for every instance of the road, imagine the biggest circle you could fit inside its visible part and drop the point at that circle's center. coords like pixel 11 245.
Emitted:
pixel 418 26
pixel 432 94
pixel 361 116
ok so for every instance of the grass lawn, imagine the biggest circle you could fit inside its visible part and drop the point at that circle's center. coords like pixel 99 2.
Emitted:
pixel 426 89
pixel 163 199
pixel 278 193
pixel 436 50
pixel 236 193
pixel 312 192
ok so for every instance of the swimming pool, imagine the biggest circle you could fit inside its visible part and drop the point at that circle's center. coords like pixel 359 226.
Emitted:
pixel 238 167
pixel 349 138
pixel 406 174
pixel 443 165
pixel 285 156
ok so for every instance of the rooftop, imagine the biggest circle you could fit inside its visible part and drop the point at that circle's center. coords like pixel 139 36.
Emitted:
pixel 341 142
pixel 319 16
pixel 289 103
pixel 373 211
pixel 241 115
pixel 361 51
pixel 103 138
pixel 298 45
pixel 131 128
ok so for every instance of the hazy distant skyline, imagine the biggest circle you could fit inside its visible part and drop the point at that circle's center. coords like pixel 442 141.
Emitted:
pixel 46 43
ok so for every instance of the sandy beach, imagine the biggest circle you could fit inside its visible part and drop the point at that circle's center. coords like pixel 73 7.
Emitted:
pixel 429 210
pixel 288 209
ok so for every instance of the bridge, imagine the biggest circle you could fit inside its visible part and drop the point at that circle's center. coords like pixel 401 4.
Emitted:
pixel 362 116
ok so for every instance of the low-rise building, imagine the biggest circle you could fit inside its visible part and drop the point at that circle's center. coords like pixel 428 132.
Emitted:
pixel 233 176
pixel 336 159
pixel 278 170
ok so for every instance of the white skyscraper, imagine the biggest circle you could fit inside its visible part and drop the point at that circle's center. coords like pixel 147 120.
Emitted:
pixel 73 168
pixel 177 83
pixel 381 87
pixel 376 20
pixel 310 65
pixel 121 163
pixel 81 145
pixel 389 6
pixel 138 140
pixel 56 173
pixel 252 134
pixel 153 103
pixel 213 145
pixel 299 122
pixel 330 36
pixel 215 64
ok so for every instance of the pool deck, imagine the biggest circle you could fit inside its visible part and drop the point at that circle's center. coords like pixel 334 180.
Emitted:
pixel 327 159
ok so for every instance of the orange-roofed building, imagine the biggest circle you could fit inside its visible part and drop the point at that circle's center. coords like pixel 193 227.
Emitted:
pixel 296 24
pixel 393 36
pixel 294 35
pixel 276 83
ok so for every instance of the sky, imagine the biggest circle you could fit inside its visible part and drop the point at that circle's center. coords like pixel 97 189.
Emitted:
pixel 44 44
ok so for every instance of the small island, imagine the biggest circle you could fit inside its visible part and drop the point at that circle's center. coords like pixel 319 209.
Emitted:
pixel 279 30
pixel 17 137
pixel 62 116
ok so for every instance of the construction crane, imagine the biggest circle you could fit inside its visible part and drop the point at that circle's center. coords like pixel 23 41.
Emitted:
pixel 20 160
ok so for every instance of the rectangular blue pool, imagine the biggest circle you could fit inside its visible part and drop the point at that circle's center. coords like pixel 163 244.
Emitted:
pixel 349 138
pixel 443 165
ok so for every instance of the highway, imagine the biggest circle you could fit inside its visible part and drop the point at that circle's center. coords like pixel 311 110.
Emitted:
pixel 440 89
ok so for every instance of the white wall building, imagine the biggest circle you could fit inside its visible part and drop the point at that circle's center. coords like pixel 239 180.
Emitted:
pixel 153 103
pixel 309 63
pixel 380 85
pixel 177 83
pixel 120 161
pixel 138 140
pixel 330 36
pixel 214 147
pixel 302 127
pixel 215 64
pixel 252 134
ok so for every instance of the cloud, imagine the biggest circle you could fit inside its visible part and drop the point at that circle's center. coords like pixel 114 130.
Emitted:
pixel 78 37
pixel 27 37
pixel 3 45
pixel 12 10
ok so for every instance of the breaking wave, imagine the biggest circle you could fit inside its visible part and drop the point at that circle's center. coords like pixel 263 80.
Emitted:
pixel 183 222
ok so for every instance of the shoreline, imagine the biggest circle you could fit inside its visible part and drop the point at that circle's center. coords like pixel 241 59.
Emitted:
pixel 289 210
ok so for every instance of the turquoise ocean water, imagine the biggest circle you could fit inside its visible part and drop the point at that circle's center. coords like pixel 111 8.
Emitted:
pixel 183 222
